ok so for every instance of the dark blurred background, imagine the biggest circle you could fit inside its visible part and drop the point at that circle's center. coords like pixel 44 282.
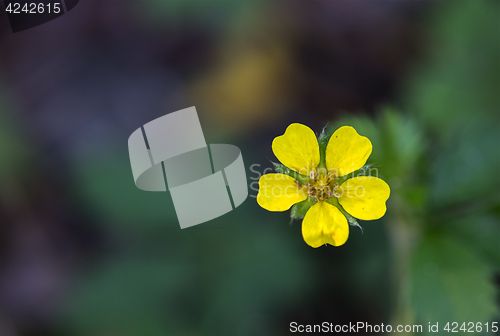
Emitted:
pixel 84 252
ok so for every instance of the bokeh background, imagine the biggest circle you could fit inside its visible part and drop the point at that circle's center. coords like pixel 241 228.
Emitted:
pixel 83 252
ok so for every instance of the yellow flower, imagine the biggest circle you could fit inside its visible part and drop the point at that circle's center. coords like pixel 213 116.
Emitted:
pixel 318 175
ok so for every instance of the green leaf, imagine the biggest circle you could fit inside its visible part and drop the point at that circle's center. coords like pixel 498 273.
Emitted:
pixel 471 167
pixel 482 236
pixel 450 282
pixel 299 210
pixel 469 32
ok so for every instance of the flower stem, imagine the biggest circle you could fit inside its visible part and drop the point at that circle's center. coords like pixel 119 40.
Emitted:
pixel 402 236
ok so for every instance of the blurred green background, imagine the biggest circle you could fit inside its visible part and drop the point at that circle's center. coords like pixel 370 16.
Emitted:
pixel 84 252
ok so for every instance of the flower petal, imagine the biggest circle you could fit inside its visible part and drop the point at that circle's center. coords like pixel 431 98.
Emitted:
pixel 297 149
pixel 278 192
pixel 347 151
pixel 364 197
pixel 324 224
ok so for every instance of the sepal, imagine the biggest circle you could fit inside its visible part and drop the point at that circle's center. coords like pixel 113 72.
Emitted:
pixel 323 140
pixel 351 220
pixel 300 209
pixel 282 169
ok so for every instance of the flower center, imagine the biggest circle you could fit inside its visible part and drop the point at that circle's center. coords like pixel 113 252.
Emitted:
pixel 322 185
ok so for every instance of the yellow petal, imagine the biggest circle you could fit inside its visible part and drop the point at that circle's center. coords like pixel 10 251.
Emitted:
pixel 364 197
pixel 347 151
pixel 278 192
pixel 297 149
pixel 324 224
